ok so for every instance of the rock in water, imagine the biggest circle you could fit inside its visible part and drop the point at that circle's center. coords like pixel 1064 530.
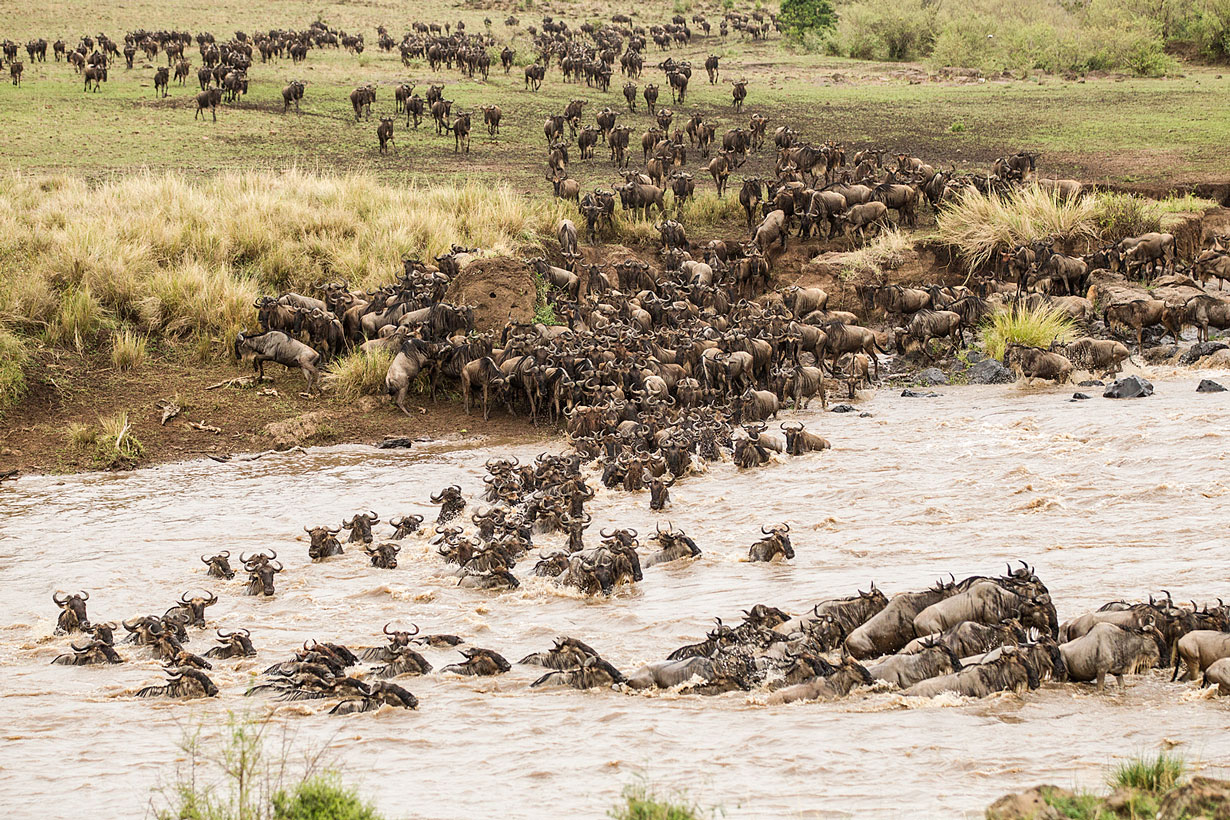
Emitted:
pixel 1092 383
pixel 914 394
pixel 989 371
pixel 395 443
pixel 1199 350
pixel 1209 386
pixel 842 408
pixel 1078 397
pixel 1129 387
pixel 932 376
pixel 1031 804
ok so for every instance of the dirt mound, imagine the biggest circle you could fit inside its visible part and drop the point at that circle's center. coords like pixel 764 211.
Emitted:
pixel 500 288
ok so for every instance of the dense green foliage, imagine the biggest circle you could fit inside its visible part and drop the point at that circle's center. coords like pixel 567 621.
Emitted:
pixel 800 17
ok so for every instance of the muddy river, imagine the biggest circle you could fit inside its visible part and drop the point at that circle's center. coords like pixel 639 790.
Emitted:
pixel 1104 498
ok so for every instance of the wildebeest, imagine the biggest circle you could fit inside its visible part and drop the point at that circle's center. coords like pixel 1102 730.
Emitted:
pixel 73 617
pixel 324 543
pixel 383 556
pixel 89 654
pixel 1198 650
pixel 162 78
pixel 261 568
pixel 906 669
pixel 292 92
pixel 1036 363
pixel 988 602
pixel 276 346
pixel 775 545
pixel 1139 314
pixel 838 684
pixel 478 662
pixel 182 683
pixel 191 608
pixel 360 526
pixel 1109 649
pixel 406 366
pixel 1008 672
pixel 236 644
pixel 1098 356
pixel 209 98
pixel 219 565
pixel 892 627
pixel 361 100
pixel 384 133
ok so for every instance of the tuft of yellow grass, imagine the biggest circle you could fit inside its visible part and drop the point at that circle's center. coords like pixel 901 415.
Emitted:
pixel 359 373
pixel 980 225
pixel 881 254
pixel 128 350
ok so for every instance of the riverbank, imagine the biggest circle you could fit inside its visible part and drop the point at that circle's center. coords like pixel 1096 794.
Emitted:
pixel 221 411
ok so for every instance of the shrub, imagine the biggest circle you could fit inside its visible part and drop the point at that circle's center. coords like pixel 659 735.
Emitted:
pixel 14 358
pixel 360 373
pixel 81 435
pixel 801 17
pixel 1150 774
pixel 1120 215
pixel 321 798
pixel 128 350
pixel 887 29
pixel 1036 328
pixel 544 311
pixel 640 802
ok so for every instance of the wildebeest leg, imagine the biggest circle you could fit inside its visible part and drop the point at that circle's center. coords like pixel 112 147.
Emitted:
pixel 400 400
pixel 1101 683
pixel 310 374
pixel 486 406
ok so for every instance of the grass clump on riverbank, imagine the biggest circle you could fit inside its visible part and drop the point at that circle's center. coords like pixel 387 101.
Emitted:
pixel 240 776
pixel 1037 328
pixel 14 358
pixel 883 253
pixel 1142 788
pixel 361 373
pixel 641 802
pixel 170 255
pixel 980 226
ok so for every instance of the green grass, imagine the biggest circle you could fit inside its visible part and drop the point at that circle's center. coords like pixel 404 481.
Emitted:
pixel 1156 129
pixel 1151 774
pixel 14 359
pixel 640 802
pixel 1036 328
pixel 79 321
pixel 544 311
pixel 359 373
pixel 1078 806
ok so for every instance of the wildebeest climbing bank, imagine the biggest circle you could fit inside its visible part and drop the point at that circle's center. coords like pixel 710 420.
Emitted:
pixel 727 401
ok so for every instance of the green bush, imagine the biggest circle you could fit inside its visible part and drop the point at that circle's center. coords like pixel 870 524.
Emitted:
pixel 799 18
pixel 544 311
pixel 1036 328
pixel 640 802
pixel 887 29
pixel 321 798
pixel 1149 774
pixel 1122 215
pixel 14 358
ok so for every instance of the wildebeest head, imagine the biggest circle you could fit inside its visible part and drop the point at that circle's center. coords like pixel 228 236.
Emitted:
pixel 193 607
pixel 384 556
pixel 261 571
pixel 219 565
pixel 406 525
pixel 73 617
pixel 233 645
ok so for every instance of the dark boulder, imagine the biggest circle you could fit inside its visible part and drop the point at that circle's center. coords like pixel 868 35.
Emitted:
pixel 989 371
pixel 931 377
pixel 1199 350
pixel 1209 386
pixel 1129 387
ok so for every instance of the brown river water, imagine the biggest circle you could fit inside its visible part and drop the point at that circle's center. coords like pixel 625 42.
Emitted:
pixel 1105 498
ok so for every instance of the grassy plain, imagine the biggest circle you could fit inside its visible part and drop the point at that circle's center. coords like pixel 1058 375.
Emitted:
pixel 1151 132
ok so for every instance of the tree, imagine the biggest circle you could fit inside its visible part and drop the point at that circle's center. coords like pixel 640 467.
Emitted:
pixel 798 17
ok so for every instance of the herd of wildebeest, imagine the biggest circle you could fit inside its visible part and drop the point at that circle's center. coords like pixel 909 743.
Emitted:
pixel 658 370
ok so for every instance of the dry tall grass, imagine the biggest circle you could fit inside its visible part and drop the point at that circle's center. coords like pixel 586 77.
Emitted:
pixel 884 252
pixel 359 373
pixel 176 256
pixel 981 225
